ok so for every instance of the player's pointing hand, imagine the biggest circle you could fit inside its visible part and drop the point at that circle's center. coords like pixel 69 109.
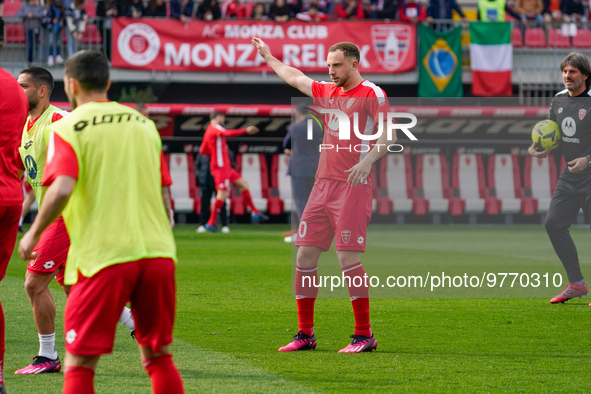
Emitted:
pixel 261 47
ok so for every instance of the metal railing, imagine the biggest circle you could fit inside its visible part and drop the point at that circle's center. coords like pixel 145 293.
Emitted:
pixel 23 47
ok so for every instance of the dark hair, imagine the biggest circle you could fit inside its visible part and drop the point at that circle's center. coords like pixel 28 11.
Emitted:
pixel 215 114
pixel 40 77
pixel 90 68
pixel 1 32
pixel 349 49
pixel 313 6
pixel 580 62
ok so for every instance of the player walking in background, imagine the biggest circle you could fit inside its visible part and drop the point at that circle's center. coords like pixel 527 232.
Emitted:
pixel 13 115
pixel 111 261
pixel 52 250
pixel 214 145
pixel 334 206
pixel 571 109
pixel 207 183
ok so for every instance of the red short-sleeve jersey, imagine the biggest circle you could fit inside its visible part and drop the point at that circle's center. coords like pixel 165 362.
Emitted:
pixel 367 100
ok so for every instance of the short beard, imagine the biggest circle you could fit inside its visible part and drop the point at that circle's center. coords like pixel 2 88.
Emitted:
pixel 33 105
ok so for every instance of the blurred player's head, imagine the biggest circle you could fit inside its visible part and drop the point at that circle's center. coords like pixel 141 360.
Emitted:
pixel 38 85
pixel 300 113
pixel 1 33
pixel 142 109
pixel 576 71
pixel 217 117
pixel 86 73
pixel 343 62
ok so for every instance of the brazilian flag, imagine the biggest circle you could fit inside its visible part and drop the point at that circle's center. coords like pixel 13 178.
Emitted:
pixel 440 62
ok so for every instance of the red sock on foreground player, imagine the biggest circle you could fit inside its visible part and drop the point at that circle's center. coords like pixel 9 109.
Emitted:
pixel 306 293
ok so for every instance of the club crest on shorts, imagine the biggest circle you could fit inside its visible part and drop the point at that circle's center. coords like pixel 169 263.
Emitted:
pixel 346 236
pixel 582 113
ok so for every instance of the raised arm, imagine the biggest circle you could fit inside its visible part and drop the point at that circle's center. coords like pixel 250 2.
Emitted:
pixel 292 76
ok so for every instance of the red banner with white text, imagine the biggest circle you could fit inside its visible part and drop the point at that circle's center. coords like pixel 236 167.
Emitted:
pixel 156 44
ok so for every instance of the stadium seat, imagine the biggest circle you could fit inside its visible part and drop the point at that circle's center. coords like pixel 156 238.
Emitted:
pixel 15 33
pixel 582 39
pixel 183 190
pixel 516 38
pixel 468 184
pixel 504 183
pixel 253 168
pixel 432 182
pixel 11 7
pixel 92 35
pixel 375 192
pixel 90 8
pixel 280 183
pixel 562 165
pixel 535 38
pixel 539 178
pixel 396 185
pixel 557 40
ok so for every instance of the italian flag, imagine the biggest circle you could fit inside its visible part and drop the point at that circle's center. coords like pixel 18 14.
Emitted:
pixel 491 57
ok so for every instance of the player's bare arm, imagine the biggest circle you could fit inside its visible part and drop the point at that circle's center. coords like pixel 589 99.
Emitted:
pixel 533 151
pixel 292 76
pixel 168 205
pixel 252 130
pixel 54 202
pixel 359 172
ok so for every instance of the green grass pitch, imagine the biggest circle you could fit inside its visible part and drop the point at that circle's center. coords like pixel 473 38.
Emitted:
pixel 234 309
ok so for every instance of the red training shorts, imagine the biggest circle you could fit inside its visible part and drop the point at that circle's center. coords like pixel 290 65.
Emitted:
pixel 52 251
pixel 336 210
pixel 224 177
pixel 95 304
pixel 9 217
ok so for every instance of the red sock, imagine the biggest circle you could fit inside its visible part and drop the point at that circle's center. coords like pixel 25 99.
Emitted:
pixel 306 294
pixel 359 292
pixel 248 200
pixel 79 380
pixel 2 344
pixel 217 208
pixel 164 375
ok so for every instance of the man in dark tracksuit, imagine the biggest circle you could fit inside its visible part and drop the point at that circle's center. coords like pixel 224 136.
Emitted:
pixel 571 109
pixel 304 154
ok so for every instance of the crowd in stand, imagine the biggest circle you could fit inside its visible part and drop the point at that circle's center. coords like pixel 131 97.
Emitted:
pixel 45 21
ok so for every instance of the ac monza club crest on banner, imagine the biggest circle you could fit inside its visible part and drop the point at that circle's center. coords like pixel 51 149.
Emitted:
pixel 582 113
pixel 391 44
pixel 346 236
